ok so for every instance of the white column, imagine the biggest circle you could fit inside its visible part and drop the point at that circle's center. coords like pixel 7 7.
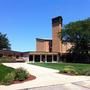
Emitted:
pixel 57 58
pixel 26 59
pixel 45 58
pixel 40 58
pixel 33 58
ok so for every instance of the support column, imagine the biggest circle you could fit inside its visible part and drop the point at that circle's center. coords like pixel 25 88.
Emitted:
pixel 27 59
pixel 40 58
pixel 33 58
pixel 45 58
pixel 57 58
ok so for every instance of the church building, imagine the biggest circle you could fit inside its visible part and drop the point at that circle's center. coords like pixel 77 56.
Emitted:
pixel 48 50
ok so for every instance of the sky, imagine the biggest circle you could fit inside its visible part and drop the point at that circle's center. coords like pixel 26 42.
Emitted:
pixel 25 20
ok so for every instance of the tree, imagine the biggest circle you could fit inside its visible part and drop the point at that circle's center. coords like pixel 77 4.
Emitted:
pixel 4 42
pixel 78 33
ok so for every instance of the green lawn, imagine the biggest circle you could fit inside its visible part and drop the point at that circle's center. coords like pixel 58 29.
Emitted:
pixel 60 66
pixel 4 70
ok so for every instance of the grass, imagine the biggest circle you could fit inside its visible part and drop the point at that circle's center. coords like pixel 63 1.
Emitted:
pixel 10 75
pixel 60 66
pixel 4 70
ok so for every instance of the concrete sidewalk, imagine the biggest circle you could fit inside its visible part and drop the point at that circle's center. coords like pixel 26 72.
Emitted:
pixel 47 77
pixel 68 86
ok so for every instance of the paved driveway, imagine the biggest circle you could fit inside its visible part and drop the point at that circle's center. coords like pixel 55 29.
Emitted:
pixel 48 79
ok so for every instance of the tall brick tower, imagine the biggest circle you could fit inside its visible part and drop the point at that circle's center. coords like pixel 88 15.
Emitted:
pixel 56 28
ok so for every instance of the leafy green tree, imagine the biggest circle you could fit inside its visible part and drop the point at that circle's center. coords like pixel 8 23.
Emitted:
pixel 4 42
pixel 78 32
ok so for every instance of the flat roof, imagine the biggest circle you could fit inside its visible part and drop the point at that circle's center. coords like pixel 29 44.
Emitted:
pixel 39 39
pixel 12 52
pixel 43 53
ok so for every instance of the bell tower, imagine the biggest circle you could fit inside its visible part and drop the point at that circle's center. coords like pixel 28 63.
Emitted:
pixel 56 28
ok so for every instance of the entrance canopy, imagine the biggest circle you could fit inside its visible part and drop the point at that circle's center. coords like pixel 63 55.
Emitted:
pixel 43 56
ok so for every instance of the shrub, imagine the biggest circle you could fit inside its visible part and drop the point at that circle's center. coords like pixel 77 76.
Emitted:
pixel 69 70
pixel 6 59
pixel 21 74
pixel 9 78
pixel 86 72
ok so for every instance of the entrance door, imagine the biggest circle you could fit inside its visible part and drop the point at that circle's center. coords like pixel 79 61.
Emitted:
pixel 49 58
pixel 37 58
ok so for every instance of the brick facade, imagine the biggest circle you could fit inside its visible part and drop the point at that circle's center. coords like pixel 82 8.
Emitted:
pixel 56 42
pixel 43 45
pixel 54 45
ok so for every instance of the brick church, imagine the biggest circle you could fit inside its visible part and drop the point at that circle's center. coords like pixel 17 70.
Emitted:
pixel 47 50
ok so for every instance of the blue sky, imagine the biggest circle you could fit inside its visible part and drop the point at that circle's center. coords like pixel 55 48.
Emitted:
pixel 25 20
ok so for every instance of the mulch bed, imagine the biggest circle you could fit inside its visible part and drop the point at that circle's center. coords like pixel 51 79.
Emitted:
pixel 31 77
pixel 67 74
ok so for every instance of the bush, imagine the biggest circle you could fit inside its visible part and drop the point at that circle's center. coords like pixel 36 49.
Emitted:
pixel 6 59
pixel 86 72
pixel 9 78
pixel 21 74
pixel 69 70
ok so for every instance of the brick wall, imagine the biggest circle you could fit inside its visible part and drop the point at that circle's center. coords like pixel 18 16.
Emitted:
pixel 56 42
pixel 42 46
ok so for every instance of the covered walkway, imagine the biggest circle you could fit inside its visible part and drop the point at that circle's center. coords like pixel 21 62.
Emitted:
pixel 43 57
